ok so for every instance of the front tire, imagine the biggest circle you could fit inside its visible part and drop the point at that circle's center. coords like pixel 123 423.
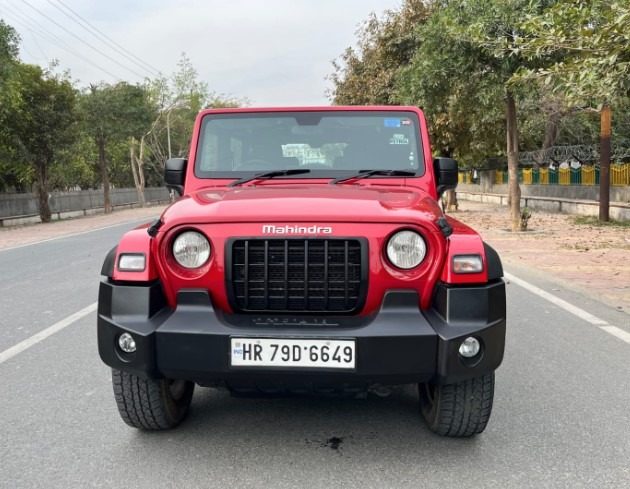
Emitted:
pixel 460 409
pixel 151 404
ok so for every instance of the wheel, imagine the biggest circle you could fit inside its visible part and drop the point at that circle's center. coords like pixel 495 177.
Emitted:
pixel 459 409
pixel 255 165
pixel 151 404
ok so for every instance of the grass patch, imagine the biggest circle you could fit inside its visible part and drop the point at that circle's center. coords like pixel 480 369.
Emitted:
pixel 593 221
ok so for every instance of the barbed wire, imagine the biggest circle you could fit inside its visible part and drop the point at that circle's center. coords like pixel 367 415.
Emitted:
pixel 582 153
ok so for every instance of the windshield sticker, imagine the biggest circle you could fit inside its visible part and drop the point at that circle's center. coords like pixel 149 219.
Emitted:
pixel 399 139
pixel 392 122
pixel 406 122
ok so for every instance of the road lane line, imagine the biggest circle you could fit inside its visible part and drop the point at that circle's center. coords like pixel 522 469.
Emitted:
pixel 581 313
pixel 576 311
pixel 619 333
pixel 42 335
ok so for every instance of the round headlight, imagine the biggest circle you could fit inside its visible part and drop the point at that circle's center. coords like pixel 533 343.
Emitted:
pixel 406 249
pixel 191 249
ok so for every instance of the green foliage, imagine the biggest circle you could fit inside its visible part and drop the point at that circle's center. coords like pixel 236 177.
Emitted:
pixel 112 112
pixel 41 125
pixel 590 40
pixel 44 118
pixel 9 42
pixel 50 130
pixel 459 76
pixel 593 221
pixel 368 75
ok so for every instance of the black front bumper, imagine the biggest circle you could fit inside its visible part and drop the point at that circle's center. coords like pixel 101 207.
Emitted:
pixel 399 344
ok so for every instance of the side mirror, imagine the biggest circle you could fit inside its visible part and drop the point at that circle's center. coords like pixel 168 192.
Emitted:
pixel 175 174
pixel 446 174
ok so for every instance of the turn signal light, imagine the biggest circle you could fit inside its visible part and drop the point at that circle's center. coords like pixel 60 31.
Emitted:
pixel 467 264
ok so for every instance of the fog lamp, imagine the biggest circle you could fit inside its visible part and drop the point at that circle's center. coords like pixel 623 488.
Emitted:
pixel 127 343
pixel 470 347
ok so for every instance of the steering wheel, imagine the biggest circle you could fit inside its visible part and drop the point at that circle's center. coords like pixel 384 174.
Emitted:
pixel 255 164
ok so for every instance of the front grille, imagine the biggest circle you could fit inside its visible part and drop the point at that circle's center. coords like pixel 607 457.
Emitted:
pixel 297 275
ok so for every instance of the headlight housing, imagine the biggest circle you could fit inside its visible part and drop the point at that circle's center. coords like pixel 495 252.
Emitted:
pixel 191 249
pixel 406 249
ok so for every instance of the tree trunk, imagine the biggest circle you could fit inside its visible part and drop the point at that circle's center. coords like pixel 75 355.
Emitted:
pixel 143 202
pixel 551 130
pixel 450 196
pixel 604 165
pixel 512 154
pixel 136 170
pixel 102 163
pixel 451 200
pixel 42 192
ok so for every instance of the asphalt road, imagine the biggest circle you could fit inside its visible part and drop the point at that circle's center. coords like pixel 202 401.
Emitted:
pixel 561 416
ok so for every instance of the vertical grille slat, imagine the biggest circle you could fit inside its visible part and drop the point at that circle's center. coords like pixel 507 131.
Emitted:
pixel 286 274
pixel 306 282
pixel 326 274
pixel 246 275
pixel 345 270
pixel 266 279
pixel 296 275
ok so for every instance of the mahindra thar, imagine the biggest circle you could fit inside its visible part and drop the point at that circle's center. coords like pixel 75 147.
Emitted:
pixel 307 253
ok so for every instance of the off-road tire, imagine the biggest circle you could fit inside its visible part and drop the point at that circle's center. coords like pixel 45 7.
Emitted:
pixel 151 404
pixel 460 409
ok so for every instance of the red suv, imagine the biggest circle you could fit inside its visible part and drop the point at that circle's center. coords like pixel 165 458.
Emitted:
pixel 307 254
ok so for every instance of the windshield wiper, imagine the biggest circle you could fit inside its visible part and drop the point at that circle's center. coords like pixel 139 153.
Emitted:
pixel 269 174
pixel 370 173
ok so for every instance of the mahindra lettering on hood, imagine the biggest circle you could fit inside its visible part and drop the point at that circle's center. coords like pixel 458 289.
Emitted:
pixel 271 229
pixel 307 253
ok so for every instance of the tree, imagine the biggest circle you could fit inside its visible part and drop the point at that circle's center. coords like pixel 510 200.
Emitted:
pixel 468 65
pixel 178 99
pixel 592 38
pixel 42 124
pixel 9 41
pixel 463 110
pixel 113 114
pixel 368 75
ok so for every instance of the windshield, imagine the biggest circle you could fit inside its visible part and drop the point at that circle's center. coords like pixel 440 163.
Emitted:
pixel 329 144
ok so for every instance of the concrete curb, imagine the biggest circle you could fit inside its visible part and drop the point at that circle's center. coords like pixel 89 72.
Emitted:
pixel 56 216
pixel 619 211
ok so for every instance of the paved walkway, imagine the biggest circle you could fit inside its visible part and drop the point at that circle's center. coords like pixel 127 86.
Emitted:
pixel 592 259
pixel 31 233
pixel 588 257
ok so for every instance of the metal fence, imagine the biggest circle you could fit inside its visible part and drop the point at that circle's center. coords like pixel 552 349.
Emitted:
pixel 584 175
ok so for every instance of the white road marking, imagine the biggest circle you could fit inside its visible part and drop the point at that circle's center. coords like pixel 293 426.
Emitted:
pixel 42 335
pixel 619 333
pixel 142 221
pixel 576 311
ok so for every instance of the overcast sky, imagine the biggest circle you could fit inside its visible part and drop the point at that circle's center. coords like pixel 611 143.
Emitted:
pixel 274 52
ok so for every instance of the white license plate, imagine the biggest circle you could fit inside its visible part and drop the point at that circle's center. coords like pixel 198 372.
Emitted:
pixel 275 352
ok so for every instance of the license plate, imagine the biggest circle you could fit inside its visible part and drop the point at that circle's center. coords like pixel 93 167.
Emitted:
pixel 274 352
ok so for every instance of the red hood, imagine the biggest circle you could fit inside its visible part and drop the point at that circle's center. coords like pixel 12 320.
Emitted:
pixel 302 203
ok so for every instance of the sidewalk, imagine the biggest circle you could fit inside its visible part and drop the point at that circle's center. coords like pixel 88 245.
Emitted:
pixel 594 260
pixel 31 233
pixel 589 258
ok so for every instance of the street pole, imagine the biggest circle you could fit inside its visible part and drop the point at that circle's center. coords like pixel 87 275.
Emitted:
pixel 604 165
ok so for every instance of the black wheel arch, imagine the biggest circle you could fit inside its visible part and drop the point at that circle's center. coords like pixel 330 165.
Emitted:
pixel 493 262
pixel 109 263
